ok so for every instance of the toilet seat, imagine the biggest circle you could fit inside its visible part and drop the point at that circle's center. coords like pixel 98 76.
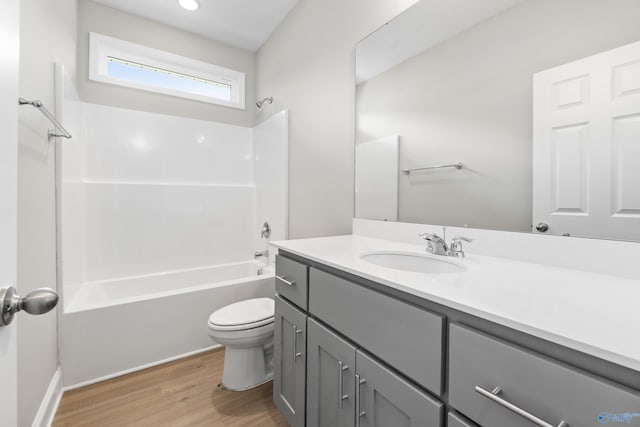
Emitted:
pixel 243 315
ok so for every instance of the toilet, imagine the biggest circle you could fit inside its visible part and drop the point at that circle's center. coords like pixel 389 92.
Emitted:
pixel 245 329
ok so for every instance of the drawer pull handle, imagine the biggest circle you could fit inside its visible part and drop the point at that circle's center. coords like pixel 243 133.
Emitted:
pixel 285 281
pixel 296 354
pixel 359 412
pixel 495 397
pixel 341 368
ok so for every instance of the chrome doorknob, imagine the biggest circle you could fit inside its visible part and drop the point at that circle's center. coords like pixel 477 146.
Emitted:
pixel 39 301
pixel 542 227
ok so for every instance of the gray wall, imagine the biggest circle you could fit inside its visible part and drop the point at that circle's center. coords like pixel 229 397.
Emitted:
pixel 307 65
pixel 93 17
pixel 47 34
pixel 470 99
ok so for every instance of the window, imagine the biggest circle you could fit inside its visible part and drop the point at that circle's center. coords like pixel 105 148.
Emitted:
pixel 127 64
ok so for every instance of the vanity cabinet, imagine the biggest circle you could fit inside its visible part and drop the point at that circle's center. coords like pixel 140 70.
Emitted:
pixel 375 357
pixel 346 387
pixel 289 361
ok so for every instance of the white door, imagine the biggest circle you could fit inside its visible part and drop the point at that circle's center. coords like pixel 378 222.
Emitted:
pixel 376 176
pixel 9 48
pixel 586 146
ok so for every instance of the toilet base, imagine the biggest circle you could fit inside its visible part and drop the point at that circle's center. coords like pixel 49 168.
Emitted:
pixel 246 368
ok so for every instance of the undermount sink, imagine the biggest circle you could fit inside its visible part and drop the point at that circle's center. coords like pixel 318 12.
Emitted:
pixel 415 262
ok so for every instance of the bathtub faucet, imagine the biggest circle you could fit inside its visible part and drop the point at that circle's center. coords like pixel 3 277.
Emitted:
pixel 264 253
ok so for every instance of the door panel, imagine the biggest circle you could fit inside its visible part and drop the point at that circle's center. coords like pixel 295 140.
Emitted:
pixel 586 148
pixel 9 54
pixel 331 364
pixel 387 399
pixel 289 361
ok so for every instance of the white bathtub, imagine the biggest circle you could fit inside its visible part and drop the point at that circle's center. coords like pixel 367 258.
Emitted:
pixel 118 326
pixel 92 295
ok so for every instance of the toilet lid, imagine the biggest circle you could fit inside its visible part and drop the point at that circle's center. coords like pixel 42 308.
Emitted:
pixel 244 312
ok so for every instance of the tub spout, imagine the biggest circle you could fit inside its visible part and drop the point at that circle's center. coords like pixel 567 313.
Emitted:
pixel 264 253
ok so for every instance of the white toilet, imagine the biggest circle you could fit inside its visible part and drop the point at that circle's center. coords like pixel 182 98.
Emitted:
pixel 245 329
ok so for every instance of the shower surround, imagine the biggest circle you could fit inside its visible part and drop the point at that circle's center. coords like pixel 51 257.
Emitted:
pixel 159 219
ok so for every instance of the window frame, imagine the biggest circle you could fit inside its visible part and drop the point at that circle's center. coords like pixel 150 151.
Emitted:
pixel 102 47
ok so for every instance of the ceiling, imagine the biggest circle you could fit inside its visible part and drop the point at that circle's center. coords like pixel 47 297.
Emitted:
pixel 246 24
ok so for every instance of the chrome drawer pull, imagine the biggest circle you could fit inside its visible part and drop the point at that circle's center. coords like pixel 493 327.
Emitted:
pixel 285 281
pixel 341 368
pixel 296 331
pixel 359 413
pixel 495 397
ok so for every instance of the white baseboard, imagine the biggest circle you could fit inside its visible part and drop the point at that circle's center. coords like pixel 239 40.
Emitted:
pixel 50 402
pixel 140 368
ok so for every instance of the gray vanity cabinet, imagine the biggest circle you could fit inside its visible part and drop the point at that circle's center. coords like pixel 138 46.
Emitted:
pixel 377 359
pixel 331 364
pixel 346 387
pixel 289 361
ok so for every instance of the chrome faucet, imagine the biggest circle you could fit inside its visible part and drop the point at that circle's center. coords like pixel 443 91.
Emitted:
pixel 264 253
pixel 435 244
pixel 438 246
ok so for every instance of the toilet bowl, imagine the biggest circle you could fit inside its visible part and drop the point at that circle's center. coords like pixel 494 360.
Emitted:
pixel 245 329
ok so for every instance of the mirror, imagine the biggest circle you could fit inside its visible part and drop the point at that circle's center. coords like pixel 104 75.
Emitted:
pixel 514 115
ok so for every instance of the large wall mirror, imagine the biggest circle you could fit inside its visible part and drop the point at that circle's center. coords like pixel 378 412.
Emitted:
pixel 515 115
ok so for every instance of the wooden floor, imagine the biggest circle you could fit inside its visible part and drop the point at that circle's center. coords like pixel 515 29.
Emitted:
pixel 180 393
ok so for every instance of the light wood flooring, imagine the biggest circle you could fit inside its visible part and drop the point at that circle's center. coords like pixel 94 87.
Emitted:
pixel 180 393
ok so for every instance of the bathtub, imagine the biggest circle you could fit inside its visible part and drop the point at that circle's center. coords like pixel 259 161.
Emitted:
pixel 114 327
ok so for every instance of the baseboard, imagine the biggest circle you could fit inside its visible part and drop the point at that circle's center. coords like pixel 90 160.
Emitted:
pixel 140 368
pixel 49 406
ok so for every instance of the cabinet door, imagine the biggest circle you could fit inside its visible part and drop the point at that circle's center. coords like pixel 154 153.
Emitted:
pixel 289 361
pixel 330 378
pixel 385 399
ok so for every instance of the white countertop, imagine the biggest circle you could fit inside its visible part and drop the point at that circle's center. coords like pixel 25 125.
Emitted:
pixel 592 313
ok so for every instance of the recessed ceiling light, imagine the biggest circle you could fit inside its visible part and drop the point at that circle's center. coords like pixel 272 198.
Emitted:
pixel 189 4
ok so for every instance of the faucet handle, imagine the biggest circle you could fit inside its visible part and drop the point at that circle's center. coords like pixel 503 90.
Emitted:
pixel 457 239
pixel 456 245
pixel 430 237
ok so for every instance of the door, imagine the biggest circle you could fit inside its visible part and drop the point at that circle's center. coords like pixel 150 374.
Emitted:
pixel 331 364
pixel 586 147
pixel 9 48
pixel 386 399
pixel 289 362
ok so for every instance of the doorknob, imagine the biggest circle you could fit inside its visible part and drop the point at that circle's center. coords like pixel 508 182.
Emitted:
pixel 542 227
pixel 39 301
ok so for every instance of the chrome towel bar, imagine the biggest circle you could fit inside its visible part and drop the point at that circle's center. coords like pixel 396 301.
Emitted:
pixel 458 166
pixel 40 106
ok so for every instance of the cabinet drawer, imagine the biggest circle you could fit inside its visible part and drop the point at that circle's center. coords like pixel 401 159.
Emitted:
pixel 455 420
pixel 545 388
pixel 292 281
pixel 405 337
